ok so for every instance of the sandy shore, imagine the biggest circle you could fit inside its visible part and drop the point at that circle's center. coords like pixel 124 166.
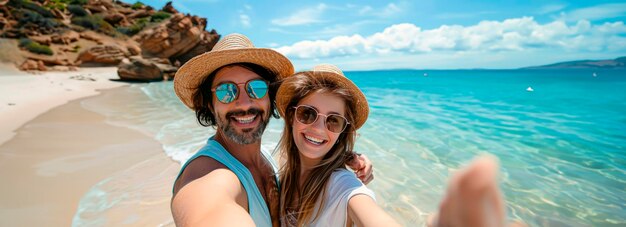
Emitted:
pixel 24 96
pixel 63 165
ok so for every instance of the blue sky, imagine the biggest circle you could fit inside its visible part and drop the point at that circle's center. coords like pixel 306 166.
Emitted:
pixel 366 35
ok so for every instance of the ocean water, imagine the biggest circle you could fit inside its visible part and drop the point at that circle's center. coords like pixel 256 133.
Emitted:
pixel 561 146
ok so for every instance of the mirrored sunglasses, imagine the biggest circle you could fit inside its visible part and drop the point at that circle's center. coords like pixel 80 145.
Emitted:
pixel 229 91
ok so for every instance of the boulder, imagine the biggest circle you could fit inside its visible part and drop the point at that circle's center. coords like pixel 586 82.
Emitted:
pixel 29 65
pixel 167 70
pixel 169 8
pixel 133 49
pixel 43 40
pixel 107 3
pixel 92 36
pixel 4 23
pixel 102 54
pixel 125 11
pixel 67 37
pixel 171 39
pixel 41 66
pixel 123 4
pixel 49 60
pixel 139 69
pixel 95 8
pixel 33 64
pixel 114 18
pixel 139 14
pixel 208 40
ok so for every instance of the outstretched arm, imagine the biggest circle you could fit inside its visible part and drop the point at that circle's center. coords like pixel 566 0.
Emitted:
pixel 473 197
pixel 364 211
pixel 213 199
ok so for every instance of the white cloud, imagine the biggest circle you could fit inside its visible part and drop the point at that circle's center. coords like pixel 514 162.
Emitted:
pixel 511 35
pixel 303 16
pixel 245 20
pixel 365 10
pixel 604 11
pixel 390 10
pixel 546 9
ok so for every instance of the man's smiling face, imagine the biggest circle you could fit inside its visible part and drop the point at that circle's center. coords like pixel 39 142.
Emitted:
pixel 244 119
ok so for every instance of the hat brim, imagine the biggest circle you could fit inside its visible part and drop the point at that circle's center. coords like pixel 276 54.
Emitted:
pixel 361 108
pixel 189 76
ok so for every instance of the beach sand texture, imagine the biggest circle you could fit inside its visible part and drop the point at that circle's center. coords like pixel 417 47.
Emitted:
pixel 47 164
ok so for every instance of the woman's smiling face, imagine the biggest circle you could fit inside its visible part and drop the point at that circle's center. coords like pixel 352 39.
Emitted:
pixel 314 140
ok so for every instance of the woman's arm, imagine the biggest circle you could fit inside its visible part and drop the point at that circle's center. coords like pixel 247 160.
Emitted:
pixel 364 211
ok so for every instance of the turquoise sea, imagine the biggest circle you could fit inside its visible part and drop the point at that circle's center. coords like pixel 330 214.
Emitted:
pixel 562 146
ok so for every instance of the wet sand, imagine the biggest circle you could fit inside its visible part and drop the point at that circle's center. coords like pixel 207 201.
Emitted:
pixel 67 166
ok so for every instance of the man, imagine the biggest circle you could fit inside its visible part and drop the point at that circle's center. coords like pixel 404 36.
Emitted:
pixel 230 181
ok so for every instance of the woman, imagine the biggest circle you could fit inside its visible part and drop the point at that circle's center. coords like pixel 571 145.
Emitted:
pixel 322 110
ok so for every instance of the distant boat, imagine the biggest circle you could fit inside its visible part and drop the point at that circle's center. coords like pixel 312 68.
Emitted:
pixel 595 75
pixel 425 74
pixel 530 89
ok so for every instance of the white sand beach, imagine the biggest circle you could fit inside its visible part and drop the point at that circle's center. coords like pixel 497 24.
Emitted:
pixel 53 152
pixel 23 96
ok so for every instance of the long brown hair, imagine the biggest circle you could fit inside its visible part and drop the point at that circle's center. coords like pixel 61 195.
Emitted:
pixel 303 199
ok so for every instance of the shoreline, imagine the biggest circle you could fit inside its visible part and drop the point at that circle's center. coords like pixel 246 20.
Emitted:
pixel 63 164
pixel 55 164
pixel 24 96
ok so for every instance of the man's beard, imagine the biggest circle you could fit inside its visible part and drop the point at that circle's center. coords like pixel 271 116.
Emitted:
pixel 248 136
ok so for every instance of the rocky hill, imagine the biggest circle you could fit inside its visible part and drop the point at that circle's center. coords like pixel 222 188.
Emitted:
pixel 145 43
pixel 618 63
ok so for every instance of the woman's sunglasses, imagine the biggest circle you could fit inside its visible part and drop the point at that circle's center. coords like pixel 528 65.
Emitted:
pixel 308 115
pixel 228 92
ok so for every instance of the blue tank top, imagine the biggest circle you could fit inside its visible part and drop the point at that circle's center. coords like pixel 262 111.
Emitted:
pixel 256 204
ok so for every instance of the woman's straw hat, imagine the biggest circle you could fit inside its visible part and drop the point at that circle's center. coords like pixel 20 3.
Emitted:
pixel 233 48
pixel 327 72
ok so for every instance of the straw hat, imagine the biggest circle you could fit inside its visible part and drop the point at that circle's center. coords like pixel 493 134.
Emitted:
pixel 232 48
pixel 332 73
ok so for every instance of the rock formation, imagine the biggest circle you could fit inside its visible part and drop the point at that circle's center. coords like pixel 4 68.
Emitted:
pixel 147 44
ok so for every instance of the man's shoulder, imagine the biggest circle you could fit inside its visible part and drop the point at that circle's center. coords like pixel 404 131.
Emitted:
pixel 196 169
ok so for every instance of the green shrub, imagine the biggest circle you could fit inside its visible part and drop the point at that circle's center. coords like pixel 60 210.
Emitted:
pixel 137 5
pixel 26 16
pixel 159 16
pixel 24 4
pixel 79 2
pixel 96 23
pixel 24 41
pixel 35 47
pixel 77 10
pixel 91 22
pixel 135 28
pixel 56 4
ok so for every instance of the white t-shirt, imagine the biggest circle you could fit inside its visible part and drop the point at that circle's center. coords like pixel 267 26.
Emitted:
pixel 342 185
